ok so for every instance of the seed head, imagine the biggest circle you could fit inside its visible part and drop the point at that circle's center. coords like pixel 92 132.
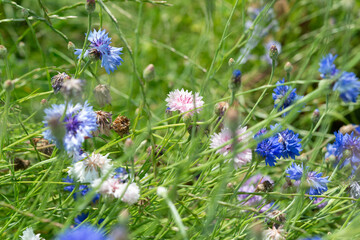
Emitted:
pixel 21 164
pixel 103 120
pixel 121 125
pixel 102 95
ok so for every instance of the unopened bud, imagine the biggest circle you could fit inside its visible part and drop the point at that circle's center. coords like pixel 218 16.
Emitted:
pixel 43 101
pixel 128 143
pixel 273 53
pixel 90 6
pixel 315 116
pixel 149 72
pixel 3 51
pixel 24 13
pixel 221 108
pixel 102 95
pixel 71 46
pixel 288 67
pixel 9 85
pixel 236 80
pixel 231 62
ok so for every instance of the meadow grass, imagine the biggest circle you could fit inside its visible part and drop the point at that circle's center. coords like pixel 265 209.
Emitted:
pixel 190 44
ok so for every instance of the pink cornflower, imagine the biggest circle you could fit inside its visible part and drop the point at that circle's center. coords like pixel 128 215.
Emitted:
pixel 183 101
pixel 219 139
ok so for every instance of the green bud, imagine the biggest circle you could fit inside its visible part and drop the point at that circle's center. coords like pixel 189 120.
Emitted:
pixel 90 6
pixel 149 72
pixel 273 53
pixel 9 85
pixel 25 13
pixel 231 62
pixel 288 67
pixel 3 51
pixel 71 46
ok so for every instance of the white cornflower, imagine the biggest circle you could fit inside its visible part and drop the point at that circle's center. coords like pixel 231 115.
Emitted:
pixel 29 234
pixel 274 234
pixel 91 168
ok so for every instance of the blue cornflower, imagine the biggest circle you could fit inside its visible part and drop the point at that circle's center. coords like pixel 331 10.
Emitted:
pixel 100 46
pixel 121 174
pixel 315 182
pixel 348 86
pixel 327 67
pixel 270 148
pixel 312 238
pixel 280 92
pixel 83 232
pixel 81 191
pixel 291 143
pixel 82 217
pixel 78 123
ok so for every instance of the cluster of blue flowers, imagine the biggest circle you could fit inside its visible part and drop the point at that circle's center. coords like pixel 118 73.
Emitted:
pixel 83 232
pixel 283 144
pixel 81 191
pixel 315 182
pixel 347 84
pixel 284 96
pixel 347 148
pixel 100 47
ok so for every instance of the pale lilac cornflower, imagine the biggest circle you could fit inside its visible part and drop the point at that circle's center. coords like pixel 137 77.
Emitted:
pixel 28 234
pixel 249 187
pixel 114 188
pixel 90 168
pixel 100 47
pixel 184 101
pixel 69 131
pixel 225 136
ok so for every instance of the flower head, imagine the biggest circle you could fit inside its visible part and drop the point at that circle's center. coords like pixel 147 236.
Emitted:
pixel 79 121
pixel 282 91
pixel 270 148
pixel 58 80
pixel 100 43
pixel 184 101
pixel 28 234
pixel 327 67
pixel 80 192
pixel 275 234
pixel 103 120
pixel 83 232
pixel 273 49
pixel 91 167
pixel 219 139
pixel 348 86
pixel 291 143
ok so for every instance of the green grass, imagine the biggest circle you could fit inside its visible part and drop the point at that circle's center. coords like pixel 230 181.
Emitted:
pixel 190 44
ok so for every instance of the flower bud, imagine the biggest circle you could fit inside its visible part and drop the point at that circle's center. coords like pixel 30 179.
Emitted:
pixel 128 143
pixel 72 88
pixel 3 51
pixel 102 95
pixel 236 80
pixel 288 67
pixel 315 116
pixel 231 62
pixel 121 125
pixel 71 46
pixel 43 102
pixel 103 120
pixel 24 13
pixel 221 108
pixel 90 6
pixel 8 85
pixel 21 164
pixel 58 80
pixel 273 53
pixel 149 72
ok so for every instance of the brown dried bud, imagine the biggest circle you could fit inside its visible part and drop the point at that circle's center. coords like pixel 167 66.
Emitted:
pixel 221 108
pixel 275 218
pixel 103 120
pixel 21 164
pixel 158 152
pixel 58 80
pixel 265 186
pixel 102 95
pixel 43 145
pixel 121 125
pixel 348 129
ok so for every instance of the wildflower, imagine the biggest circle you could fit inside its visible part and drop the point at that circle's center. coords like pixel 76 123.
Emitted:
pixel 83 232
pixel 250 186
pixel 348 86
pixel 121 125
pixel 184 101
pixel 275 234
pixel 225 136
pixel 91 167
pixel 121 174
pixel 236 80
pixel 80 192
pixel 355 190
pixel 103 120
pixel 270 148
pixel 58 80
pixel 316 183
pixel 327 67
pixel 82 217
pixel 28 234
pixel 109 56
pixel 291 143
pixel 102 95
pixel 282 91
pixel 130 195
pixel 161 192
pixel 79 121
pixel 72 88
